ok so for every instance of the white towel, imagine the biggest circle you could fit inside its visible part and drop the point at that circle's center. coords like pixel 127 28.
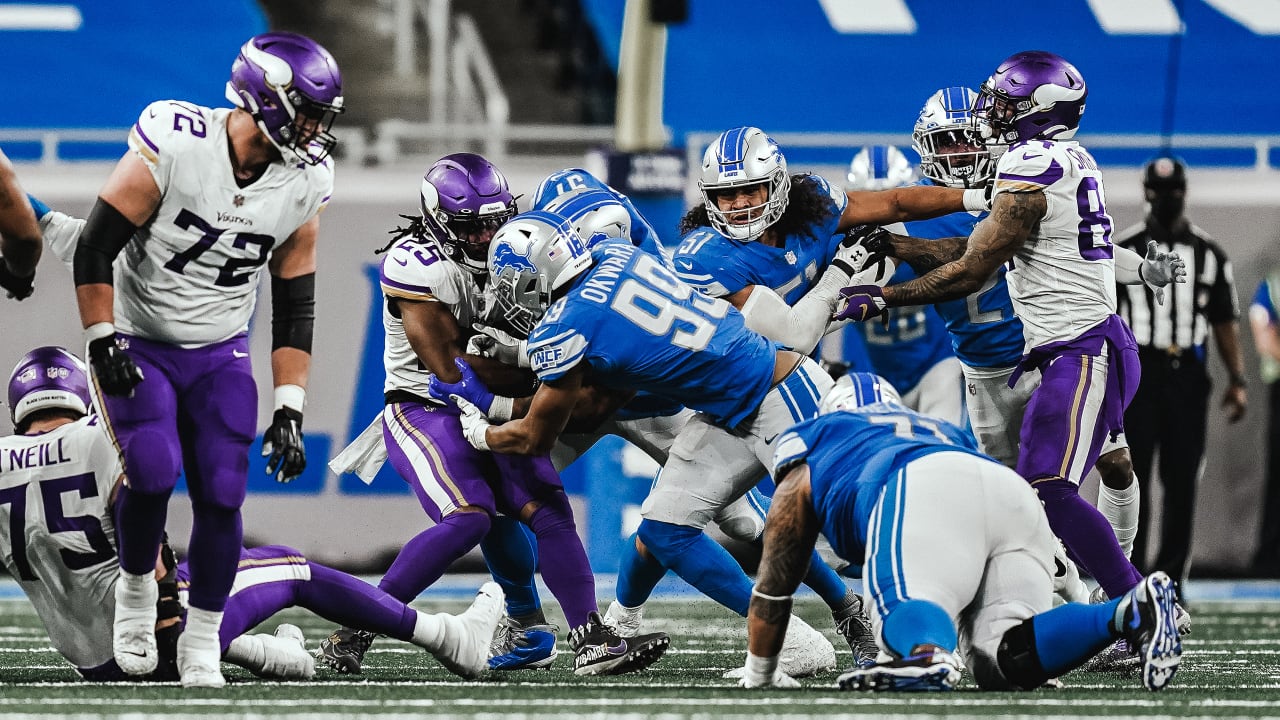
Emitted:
pixel 365 455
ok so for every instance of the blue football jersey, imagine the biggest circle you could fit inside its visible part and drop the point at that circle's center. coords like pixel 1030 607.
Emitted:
pixel 915 340
pixel 639 327
pixel 720 266
pixel 984 331
pixel 852 455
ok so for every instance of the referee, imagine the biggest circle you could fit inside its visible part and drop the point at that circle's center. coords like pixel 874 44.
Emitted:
pixel 1172 403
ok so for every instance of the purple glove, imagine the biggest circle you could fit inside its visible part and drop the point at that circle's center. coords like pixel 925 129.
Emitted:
pixel 859 302
pixel 468 388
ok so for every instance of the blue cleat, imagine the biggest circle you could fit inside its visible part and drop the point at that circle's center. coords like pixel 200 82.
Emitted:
pixel 523 648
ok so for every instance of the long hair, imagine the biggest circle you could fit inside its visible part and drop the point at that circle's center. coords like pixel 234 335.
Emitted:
pixel 807 205
pixel 416 228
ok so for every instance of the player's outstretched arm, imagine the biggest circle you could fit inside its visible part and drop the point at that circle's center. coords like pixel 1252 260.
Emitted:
pixel 790 533
pixel 919 202
pixel 20 244
pixel 993 242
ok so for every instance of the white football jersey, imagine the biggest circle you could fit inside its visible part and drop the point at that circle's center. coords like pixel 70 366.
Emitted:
pixel 1063 281
pixel 421 271
pixel 56 533
pixel 190 275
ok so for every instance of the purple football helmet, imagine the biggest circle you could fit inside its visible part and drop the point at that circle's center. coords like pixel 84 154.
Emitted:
pixel 465 199
pixel 48 377
pixel 1033 95
pixel 292 88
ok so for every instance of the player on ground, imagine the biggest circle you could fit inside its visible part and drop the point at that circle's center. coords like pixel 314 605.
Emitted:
pixel 199 204
pixel 880 481
pixel 1049 222
pixel 20 244
pixel 434 277
pixel 57 476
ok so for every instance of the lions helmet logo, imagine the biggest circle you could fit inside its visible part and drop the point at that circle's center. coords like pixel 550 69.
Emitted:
pixel 506 258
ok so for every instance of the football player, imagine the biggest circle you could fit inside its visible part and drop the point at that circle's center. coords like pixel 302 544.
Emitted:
pixel 1049 222
pixel 879 480
pixel 201 202
pixel 58 475
pixel 433 278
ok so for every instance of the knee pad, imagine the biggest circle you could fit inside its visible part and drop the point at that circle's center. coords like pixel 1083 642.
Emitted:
pixel 152 461
pixel 664 540
pixel 1017 661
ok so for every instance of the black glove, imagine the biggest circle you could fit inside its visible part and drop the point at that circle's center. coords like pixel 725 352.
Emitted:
pixel 115 370
pixel 283 445
pixel 19 288
pixel 862 247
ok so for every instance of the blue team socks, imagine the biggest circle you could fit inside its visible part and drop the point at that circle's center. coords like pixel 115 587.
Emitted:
pixel 1070 634
pixel 509 551
pixel 700 561
pixel 918 622
pixel 638 574
pixel 824 581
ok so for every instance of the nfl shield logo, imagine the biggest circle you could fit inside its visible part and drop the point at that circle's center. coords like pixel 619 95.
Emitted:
pixel 791 257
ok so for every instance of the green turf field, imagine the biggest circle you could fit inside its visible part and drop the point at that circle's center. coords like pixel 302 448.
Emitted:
pixel 1230 668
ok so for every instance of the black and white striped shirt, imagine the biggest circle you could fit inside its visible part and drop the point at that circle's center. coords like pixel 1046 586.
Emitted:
pixel 1207 298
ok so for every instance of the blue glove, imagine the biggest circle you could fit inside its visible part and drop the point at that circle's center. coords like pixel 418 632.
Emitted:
pixel 860 302
pixel 469 388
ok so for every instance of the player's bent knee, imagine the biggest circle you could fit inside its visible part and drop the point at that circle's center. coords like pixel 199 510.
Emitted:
pixel 665 540
pixel 152 462
pixel 1017 662
pixel 1116 469
pixel 472 521
pixel 743 528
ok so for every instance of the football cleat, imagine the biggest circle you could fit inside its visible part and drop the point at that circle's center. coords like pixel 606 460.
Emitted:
pixel 599 650
pixel 1148 612
pixel 625 621
pixel 133 635
pixel 1117 656
pixel 932 670
pixel 344 650
pixel 464 649
pixel 854 626
pixel 528 647
pixel 200 660
pixel 287 657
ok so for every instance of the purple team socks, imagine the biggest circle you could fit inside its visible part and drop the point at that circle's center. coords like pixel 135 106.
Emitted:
pixel 140 519
pixel 212 559
pixel 562 560
pixel 428 554
pixel 1087 535
pixel 351 602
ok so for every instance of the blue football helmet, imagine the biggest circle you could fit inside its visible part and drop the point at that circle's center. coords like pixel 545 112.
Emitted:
pixel 742 157
pixel 951 151
pixel 856 390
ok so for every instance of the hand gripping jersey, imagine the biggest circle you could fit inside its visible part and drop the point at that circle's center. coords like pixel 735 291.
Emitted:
pixel 720 266
pixel 852 455
pixel 419 270
pixel 985 332
pixel 639 327
pixel 1063 281
pixel 56 533
pixel 190 275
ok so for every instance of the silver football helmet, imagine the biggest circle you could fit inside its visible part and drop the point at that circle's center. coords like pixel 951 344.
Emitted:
pixel 951 151
pixel 739 158
pixel 531 257
pixel 879 167
pixel 856 390
pixel 597 214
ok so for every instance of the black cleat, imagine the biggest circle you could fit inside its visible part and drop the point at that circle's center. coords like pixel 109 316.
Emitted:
pixel 855 627
pixel 598 650
pixel 344 650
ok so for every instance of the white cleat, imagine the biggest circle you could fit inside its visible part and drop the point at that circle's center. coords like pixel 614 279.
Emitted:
pixel 465 647
pixel 286 654
pixel 625 621
pixel 805 652
pixel 200 661
pixel 133 636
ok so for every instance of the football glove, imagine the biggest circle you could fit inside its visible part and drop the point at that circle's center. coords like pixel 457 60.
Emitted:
pixel 494 343
pixel 469 388
pixel 474 423
pixel 116 372
pixel 1159 268
pixel 864 246
pixel 282 445
pixel 18 288
pixel 860 302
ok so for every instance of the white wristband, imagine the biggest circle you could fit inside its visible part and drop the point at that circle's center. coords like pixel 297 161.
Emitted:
pixel 522 354
pixel 760 670
pixel 293 397
pixel 97 331
pixel 975 200
pixel 501 408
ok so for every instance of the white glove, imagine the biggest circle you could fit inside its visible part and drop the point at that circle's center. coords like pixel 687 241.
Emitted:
pixel 474 423
pixel 1160 268
pixel 762 672
pixel 494 343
